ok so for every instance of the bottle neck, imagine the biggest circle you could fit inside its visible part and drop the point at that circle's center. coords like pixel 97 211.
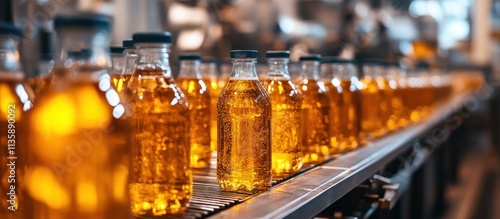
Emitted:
pixel 344 71
pixel 310 70
pixel 117 64
pixel 130 58
pixel 93 44
pixel 209 70
pixel 154 59
pixel 190 69
pixel 9 55
pixel 244 68
pixel 278 68
pixel 326 72
pixel 372 71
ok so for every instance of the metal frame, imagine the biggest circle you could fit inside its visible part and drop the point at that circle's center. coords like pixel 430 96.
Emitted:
pixel 309 193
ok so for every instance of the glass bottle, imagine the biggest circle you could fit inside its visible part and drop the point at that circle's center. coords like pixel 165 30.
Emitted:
pixel 286 124
pixel 244 123
pixel 117 64
pixel 262 70
pixel 209 75
pixel 315 112
pixel 419 95
pixel 161 180
pixel 45 65
pixel 345 76
pixel 351 86
pixel 226 69
pixel 130 55
pixel 397 82
pixel 15 100
pixel 373 102
pixel 429 90
pixel 336 96
pixel 392 103
pixel 198 97
pixel 85 57
pixel 79 146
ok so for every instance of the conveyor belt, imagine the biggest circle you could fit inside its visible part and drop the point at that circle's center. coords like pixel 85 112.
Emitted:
pixel 320 184
pixel 209 199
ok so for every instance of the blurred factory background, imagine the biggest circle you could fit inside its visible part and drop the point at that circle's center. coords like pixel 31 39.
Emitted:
pixel 442 33
pixel 452 35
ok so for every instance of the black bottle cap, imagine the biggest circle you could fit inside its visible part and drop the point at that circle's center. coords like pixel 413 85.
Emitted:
pixel 355 62
pixel 244 54
pixel 209 60
pixel 10 29
pixel 278 54
pixel 116 49
pixel 152 37
pixel 422 65
pixel 377 62
pixel 128 43
pixel 73 54
pixel 46 56
pixel 46 41
pixel 86 53
pixel 83 19
pixel 189 57
pixel 311 57
pixel 335 60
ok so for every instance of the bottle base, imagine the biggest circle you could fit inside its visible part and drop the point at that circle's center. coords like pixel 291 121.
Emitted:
pixel 156 199
pixel 243 185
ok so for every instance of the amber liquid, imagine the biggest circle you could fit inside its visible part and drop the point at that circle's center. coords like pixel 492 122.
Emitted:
pixel 419 98
pixel 38 84
pixel 80 152
pixel 335 92
pixel 286 104
pixel 399 106
pixel 389 114
pixel 411 94
pixel 443 92
pixel 161 180
pixel 244 123
pixel 13 139
pixel 214 90
pixel 350 124
pixel 198 97
pixel 315 121
pixel 372 118
pixel 426 100
pixel 120 81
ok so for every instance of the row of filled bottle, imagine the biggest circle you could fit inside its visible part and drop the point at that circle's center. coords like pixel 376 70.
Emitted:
pixel 94 141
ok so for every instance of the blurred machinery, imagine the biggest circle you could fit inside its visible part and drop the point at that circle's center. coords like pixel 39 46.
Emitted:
pixel 431 31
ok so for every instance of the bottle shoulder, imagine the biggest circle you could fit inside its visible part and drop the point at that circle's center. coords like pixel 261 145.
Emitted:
pixel 156 91
pixel 76 106
pixel 246 93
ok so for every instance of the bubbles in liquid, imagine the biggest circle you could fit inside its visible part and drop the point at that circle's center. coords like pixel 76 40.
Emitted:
pixel 285 124
pixel 161 180
pixel 350 118
pixel 244 153
pixel 335 93
pixel 214 90
pixel 389 114
pixel 198 98
pixel 372 119
pixel 315 121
